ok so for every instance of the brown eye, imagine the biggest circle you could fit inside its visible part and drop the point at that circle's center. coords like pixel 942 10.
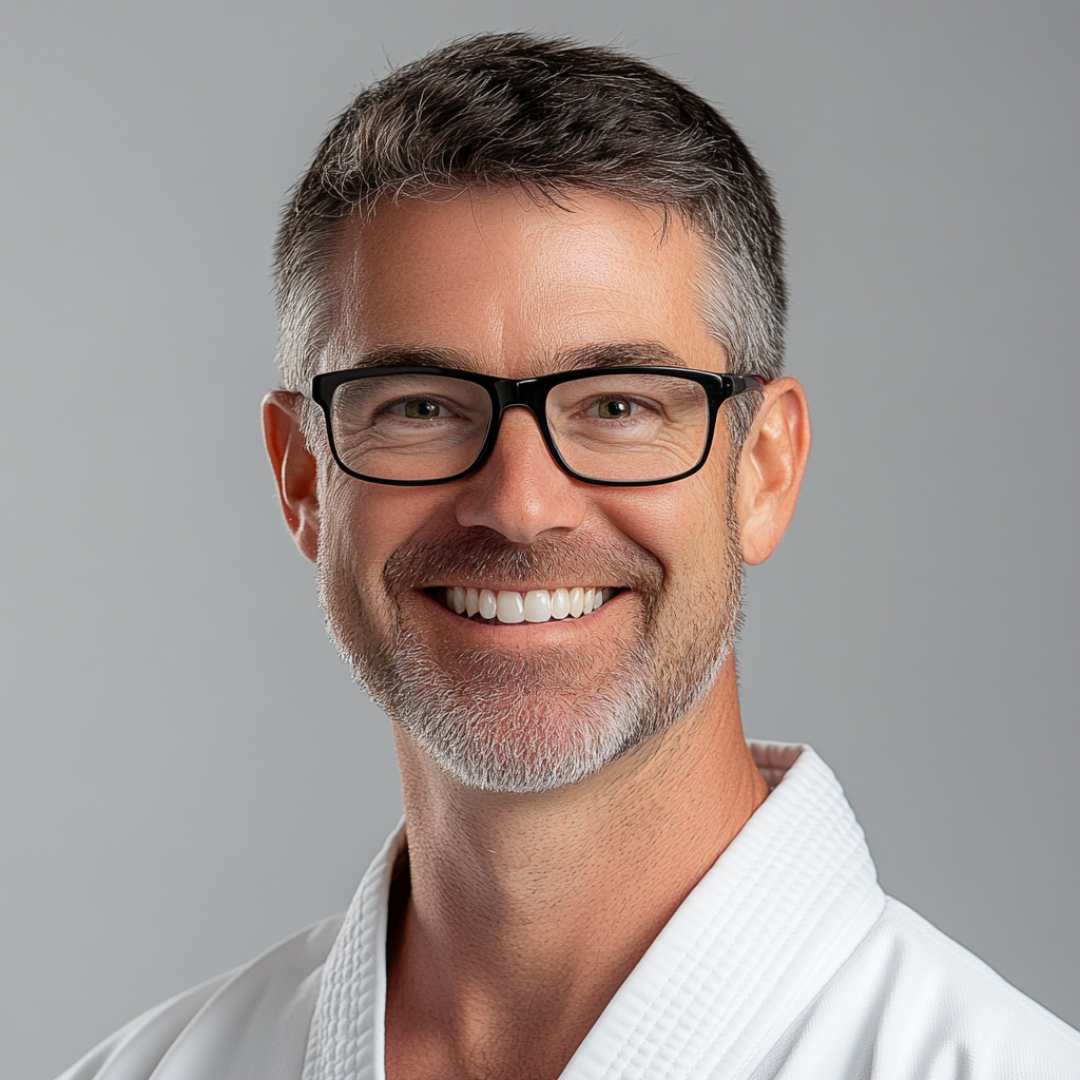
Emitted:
pixel 614 409
pixel 419 409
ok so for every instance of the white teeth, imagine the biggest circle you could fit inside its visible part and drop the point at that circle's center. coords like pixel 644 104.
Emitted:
pixel 536 606
pixel 560 604
pixel 511 608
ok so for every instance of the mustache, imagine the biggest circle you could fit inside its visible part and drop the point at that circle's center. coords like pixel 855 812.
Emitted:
pixel 462 554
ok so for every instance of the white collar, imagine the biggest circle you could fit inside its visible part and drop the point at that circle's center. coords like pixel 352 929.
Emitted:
pixel 762 932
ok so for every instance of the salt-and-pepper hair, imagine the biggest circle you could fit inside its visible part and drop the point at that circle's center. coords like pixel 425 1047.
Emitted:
pixel 550 117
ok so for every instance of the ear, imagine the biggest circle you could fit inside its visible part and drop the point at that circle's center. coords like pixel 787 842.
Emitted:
pixel 295 469
pixel 771 467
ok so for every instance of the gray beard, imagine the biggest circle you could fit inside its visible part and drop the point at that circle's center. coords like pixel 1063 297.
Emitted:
pixel 529 722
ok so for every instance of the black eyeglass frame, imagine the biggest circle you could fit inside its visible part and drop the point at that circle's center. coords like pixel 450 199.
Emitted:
pixel 532 395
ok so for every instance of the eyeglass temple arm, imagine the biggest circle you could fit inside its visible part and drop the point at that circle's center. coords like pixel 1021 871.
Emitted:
pixel 741 383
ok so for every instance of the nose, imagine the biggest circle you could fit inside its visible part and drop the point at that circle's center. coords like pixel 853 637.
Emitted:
pixel 521 492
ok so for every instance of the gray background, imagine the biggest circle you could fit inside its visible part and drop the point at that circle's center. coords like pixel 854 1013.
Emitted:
pixel 187 773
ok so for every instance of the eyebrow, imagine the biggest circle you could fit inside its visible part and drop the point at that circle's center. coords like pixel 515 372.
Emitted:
pixel 617 354
pixel 601 354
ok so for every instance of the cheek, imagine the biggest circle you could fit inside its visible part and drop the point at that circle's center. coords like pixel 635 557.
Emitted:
pixel 371 521
pixel 684 524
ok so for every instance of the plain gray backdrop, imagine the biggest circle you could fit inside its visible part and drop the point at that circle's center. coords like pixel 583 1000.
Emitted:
pixel 188 774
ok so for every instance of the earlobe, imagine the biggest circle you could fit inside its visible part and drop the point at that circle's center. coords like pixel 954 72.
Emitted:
pixel 295 469
pixel 771 467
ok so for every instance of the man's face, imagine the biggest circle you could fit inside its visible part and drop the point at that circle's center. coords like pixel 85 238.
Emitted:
pixel 514 289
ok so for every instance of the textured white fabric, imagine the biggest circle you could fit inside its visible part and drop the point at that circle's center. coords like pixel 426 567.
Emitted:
pixel 786 962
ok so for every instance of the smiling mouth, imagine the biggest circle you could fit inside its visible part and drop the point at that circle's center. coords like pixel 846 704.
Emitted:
pixel 534 606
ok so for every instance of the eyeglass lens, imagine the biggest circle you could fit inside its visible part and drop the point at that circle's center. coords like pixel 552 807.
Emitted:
pixel 621 428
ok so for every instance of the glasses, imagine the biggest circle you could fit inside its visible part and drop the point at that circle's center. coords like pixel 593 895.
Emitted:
pixel 619 426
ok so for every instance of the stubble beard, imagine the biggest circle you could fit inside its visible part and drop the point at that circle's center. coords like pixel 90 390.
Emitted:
pixel 530 722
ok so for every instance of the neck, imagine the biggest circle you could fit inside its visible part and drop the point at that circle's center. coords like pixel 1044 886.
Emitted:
pixel 527 912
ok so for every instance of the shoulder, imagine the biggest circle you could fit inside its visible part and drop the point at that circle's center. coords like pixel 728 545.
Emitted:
pixel 923 981
pixel 912 1004
pixel 250 1021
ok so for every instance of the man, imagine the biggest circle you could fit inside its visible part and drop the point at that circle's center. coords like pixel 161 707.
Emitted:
pixel 532 424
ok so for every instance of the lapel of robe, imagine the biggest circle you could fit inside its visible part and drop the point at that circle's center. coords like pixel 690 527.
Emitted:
pixel 753 944
pixel 346 1041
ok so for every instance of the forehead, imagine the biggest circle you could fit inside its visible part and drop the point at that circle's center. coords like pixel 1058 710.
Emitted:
pixel 509 286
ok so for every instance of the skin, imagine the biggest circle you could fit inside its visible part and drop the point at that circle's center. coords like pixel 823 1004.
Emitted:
pixel 526 912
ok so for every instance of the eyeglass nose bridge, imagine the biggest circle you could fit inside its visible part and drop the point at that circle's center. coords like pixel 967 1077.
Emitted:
pixel 529 394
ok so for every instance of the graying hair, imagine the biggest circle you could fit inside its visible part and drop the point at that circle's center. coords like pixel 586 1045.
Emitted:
pixel 552 117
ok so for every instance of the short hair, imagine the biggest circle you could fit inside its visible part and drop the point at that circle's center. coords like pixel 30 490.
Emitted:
pixel 550 116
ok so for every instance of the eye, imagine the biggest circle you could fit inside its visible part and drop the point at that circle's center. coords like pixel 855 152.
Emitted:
pixel 614 408
pixel 421 409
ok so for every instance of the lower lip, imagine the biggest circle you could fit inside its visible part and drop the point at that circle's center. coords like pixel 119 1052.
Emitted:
pixel 567 625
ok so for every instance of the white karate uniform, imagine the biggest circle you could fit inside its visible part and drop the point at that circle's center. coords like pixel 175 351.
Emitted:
pixel 786 962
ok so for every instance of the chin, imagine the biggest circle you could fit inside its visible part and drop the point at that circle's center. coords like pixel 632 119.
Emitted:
pixel 529 724
pixel 526 747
